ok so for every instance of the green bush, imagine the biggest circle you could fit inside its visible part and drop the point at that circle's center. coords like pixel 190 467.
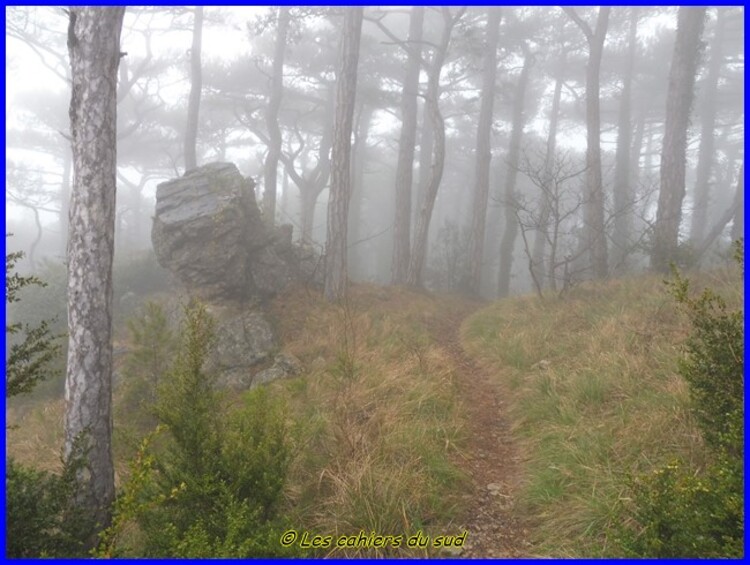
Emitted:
pixel 42 520
pixel 32 346
pixel 210 485
pixel 152 346
pixel 682 512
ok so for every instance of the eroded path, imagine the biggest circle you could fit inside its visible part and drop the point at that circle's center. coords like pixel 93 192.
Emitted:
pixel 490 457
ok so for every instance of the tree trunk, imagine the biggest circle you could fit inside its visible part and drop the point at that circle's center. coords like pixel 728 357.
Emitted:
pixel 419 248
pixel 272 118
pixel 679 100
pixel 484 153
pixel 426 148
pixel 338 204
pixel 707 153
pixel 94 48
pixel 623 191
pixel 196 84
pixel 308 198
pixel 405 165
pixel 356 212
pixel 738 226
pixel 508 241
pixel 65 201
pixel 310 186
pixel 734 213
pixel 595 236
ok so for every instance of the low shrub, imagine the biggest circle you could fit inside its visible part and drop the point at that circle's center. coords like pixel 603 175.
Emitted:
pixel 210 482
pixel 682 512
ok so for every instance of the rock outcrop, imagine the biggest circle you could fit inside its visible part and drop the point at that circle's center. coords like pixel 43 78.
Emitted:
pixel 209 232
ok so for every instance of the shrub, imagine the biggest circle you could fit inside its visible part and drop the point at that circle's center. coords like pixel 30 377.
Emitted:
pixel 679 512
pixel 28 360
pixel 212 485
pixel 41 522
pixel 40 518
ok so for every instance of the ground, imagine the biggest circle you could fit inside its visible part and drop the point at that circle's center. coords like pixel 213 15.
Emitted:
pixel 490 457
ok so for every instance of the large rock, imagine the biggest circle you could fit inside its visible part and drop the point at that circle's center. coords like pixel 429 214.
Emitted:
pixel 244 339
pixel 209 232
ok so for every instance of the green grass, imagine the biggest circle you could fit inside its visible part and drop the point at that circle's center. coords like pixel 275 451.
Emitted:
pixel 594 396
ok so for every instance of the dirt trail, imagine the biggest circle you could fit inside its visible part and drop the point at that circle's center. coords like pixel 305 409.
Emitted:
pixel 489 458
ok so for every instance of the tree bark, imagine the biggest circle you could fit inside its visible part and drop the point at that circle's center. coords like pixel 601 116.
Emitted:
pixel 426 148
pixel 734 213
pixel 484 153
pixel 196 84
pixel 679 101
pixel 508 241
pixel 707 153
pixel 595 236
pixel 406 145
pixel 271 165
pixel 623 191
pixel 432 96
pixel 65 201
pixel 738 225
pixel 356 209
pixel 338 204
pixel 94 49
pixel 313 184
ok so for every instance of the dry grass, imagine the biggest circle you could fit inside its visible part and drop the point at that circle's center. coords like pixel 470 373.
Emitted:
pixel 595 396
pixel 34 433
pixel 377 418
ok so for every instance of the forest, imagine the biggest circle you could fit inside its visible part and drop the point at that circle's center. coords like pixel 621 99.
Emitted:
pixel 408 281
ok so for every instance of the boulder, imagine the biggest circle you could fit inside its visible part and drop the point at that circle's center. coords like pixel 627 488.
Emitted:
pixel 204 224
pixel 284 366
pixel 209 232
pixel 244 339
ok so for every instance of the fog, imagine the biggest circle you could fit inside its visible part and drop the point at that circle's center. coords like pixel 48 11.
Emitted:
pixel 237 55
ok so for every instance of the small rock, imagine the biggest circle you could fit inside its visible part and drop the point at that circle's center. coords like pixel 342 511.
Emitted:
pixel 284 366
pixel 494 488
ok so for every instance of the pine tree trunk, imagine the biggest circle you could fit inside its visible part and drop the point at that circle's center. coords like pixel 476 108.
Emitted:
pixel 510 233
pixel 738 225
pixel 595 236
pixel 94 48
pixel 356 208
pixel 65 201
pixel 707 153
pixel 406 145
pixel 623 191
pixel 679 101
pixel 432 96
pixel 338 204
pixel 484 154
pixel 196 84
pixel 426 148
pixel 271 165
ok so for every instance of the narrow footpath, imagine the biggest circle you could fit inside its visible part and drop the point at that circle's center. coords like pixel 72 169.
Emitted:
pixel 490 457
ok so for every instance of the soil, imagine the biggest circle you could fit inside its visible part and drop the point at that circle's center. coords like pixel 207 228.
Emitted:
pixel 490 458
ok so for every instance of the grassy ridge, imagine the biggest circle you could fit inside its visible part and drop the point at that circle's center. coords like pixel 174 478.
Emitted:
pixel 594 396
